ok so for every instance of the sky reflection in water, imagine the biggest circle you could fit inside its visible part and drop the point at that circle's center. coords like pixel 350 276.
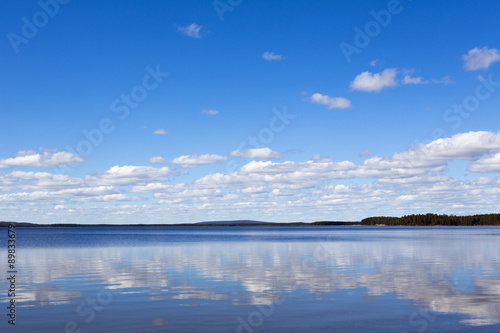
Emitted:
pixel 259 279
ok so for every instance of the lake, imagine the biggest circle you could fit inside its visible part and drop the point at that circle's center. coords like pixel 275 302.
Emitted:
pixel 254 279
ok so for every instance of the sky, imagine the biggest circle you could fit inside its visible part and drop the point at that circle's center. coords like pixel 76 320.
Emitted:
pixel 186 111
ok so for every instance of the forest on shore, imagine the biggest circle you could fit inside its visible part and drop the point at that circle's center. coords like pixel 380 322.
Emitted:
pixel 434 219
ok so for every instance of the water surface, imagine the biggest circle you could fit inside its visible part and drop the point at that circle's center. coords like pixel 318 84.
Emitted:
pixel 256 279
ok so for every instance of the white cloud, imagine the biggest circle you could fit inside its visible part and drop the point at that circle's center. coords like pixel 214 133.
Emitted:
pixel 30 158
pixel 157 160
pixel 311 166
pixel 253 190
pixel 480 58
pixel 413 80
pixel 295 175
pixel 331 102
pixel 193 160
pixel 50 150
pixel 261 153
pixel 157 187
pixel 374 63
pixel 406 197
pixel 128 175
pixel 189 193
pixel 466 146
pixel 463 146
pixel 38 181
pixel 368 81
pixel 161 131
pixel 210 112
pixel 366 153
pixel 489 163
pixel 271 56
pixel 117 197
pixel 320 159
pixel 433 156
pixel 446 80
pixel 39 196
pixel 411 181
pixel 192 30
pixel 413 162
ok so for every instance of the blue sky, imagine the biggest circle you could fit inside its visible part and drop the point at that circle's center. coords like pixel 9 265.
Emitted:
pixel 216 110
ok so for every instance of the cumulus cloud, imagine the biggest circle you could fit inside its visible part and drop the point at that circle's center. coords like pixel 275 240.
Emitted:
pixel 271 56
pixel 188 161
pixel 318 158
pixel 368 81
pixel 413 80
pixel 161 131
pixel 463 146
pixel 295 175
pixel 210 112
pixel 117 197
pixel 480 58
pixel 192 30
pixel 413 162
pixel 446 80
pixel 29 158
pixel 190 193
pixel 39 196
pixel 156 187
pixel 50 150
pixel 261 153
pixel 489 163
pixel 330 102
pixel 405 182
pixel 366 153
pixel 38 181
pixel 157 160
pixel 128 175
pixel 253 190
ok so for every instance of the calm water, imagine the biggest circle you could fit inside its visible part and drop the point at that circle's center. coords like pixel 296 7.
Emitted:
pixel 255 279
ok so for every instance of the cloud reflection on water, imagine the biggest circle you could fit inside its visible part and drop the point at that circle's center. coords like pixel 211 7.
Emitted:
pixel 256 273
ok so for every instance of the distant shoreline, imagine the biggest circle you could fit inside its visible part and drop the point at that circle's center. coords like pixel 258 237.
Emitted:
pixel 203 224
pixel 407 220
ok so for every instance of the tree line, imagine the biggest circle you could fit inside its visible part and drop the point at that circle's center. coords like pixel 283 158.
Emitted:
pixel 434 219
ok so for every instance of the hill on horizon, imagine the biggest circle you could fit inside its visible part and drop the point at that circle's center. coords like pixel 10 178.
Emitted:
pixel 235 222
